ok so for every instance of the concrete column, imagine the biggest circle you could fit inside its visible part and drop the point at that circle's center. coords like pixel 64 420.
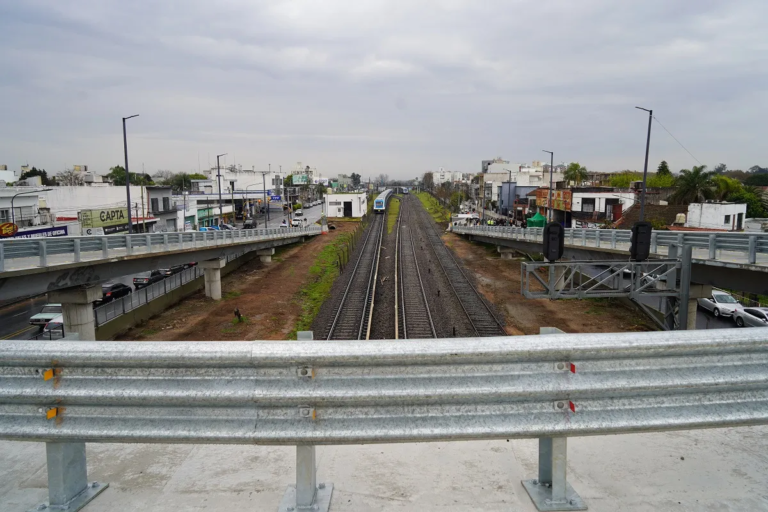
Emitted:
pixel 507 253
pixel 697 291
pixel 265 255
pixel 77 309
pixel 212 276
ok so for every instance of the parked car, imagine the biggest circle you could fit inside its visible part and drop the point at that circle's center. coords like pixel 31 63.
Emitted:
pixel 720 304
pixel 296 223
pixel 751 317
pixel 298 213
pixel 111 291
pixel 227 227
pixel 147 278
pixel 48 313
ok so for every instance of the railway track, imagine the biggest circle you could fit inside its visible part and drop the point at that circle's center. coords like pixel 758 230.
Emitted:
pixel 415 320
pixel 352 318
pixel 480 315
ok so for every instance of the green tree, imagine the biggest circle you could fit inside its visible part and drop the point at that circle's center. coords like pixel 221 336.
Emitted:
pixel 428 181
pixel 624 178
pixel 355 179
pixel 182 181
pixel 720 168
pixel 288 181
pixel 755 206
pixel 660 181
pixel 575 173
pixel 694 185
pixel 663 169
pixel 757 180
pixel 34 171
pixel 758 170
pixel 725 186
pixel 117 177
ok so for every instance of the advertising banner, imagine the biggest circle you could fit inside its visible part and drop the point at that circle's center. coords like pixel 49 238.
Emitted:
pixel 42 232
pixel 561 199
pixel 103 218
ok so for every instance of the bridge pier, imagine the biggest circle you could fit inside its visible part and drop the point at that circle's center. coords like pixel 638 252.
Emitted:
pixel 507 253
pixel 265 255
pixel 212 276
pixel 697 291
pixel 77 309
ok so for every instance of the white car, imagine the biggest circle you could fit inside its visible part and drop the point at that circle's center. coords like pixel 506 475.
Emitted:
pixel 751 317
pixel 49 312
pixel 720 304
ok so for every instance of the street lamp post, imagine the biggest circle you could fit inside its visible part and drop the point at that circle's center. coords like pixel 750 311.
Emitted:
pixel 218 175
pixel 127 175
pixel 13 215
pixel 645 167
pixel 549 195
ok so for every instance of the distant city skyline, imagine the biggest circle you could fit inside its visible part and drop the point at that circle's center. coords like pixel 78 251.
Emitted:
pixel 382 87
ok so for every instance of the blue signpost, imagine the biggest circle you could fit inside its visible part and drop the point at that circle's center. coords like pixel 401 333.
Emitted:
pixel 274 198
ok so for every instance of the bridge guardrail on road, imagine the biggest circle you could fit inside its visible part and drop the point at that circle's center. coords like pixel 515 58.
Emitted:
pixel 748 245
pixel 306 393
pixel 88 248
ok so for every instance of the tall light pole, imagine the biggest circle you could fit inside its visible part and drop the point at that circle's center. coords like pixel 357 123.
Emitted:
pixel 127 175
pixel 645 167
pixel 218 174
pixel 549 198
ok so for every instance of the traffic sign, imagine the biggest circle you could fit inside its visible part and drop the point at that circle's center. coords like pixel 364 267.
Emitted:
pixel 274 198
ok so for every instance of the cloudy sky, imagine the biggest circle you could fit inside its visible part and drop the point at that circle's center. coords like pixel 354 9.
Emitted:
pixel 374 86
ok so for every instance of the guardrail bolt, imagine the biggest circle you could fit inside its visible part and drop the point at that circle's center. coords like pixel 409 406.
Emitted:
pixel 561 366
pixel 560 405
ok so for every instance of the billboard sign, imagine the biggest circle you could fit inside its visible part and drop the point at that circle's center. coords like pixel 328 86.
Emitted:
pixel 300 179
pixel 8 229
pixel 561 199
pixel 103 218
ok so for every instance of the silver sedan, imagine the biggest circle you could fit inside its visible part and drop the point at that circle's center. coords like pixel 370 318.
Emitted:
pixel 751 317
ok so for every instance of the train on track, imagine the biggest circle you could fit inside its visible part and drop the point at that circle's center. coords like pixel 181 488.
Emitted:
pixel 380 203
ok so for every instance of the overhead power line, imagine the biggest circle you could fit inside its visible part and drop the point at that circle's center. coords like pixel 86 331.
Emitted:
pixel 681 144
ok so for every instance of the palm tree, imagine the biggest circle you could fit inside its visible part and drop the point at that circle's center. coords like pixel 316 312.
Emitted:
pixel 575 173
pixel 693 186
pixel 725 186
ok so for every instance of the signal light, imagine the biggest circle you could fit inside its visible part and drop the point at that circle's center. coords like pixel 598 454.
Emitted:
pixel 640 241
pixel 554 241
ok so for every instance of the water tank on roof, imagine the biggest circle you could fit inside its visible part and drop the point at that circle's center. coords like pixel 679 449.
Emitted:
pixel 680 219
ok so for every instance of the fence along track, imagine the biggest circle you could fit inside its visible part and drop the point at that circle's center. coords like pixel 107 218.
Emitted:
pixel 352 315
pixel 416 320
pixel 480 315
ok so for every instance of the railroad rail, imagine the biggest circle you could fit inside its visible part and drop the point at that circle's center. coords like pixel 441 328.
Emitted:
pixel 415 317
pixel 352 318
pixel 479 313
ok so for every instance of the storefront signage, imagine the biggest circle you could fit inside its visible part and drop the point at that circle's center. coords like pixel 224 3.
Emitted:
pixel 8 229
pixel 103 218
pixel 42 232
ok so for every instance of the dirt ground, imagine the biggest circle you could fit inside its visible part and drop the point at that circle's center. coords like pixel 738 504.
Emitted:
pixel 499 281
pixel 264 293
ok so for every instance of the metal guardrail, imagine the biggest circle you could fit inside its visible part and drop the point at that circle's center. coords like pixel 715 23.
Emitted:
pixel 111 310
pixel 750 244
pixel 306 393
pixel 89 248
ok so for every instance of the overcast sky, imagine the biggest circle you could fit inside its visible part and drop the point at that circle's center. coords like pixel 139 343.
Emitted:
pixel 374 86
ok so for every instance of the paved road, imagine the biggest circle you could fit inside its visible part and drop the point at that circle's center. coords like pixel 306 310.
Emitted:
pixel 276 216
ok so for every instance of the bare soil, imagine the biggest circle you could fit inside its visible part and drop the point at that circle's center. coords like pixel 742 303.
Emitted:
pixel 499 281
pixel 265 294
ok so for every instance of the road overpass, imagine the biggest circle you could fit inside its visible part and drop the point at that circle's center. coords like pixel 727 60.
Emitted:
pixel 736 261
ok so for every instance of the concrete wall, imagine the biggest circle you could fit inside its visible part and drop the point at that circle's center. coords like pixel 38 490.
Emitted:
pixel 67 201
pixel 123 323
pixel 715 215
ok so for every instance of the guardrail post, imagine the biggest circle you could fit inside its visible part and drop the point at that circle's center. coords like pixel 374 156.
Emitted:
pixel 105 247
pixel 654 242
pixel 583 237
pixel 712 247
pixel 752 254
pixel 165 240
pixel 613 239
pixel 148 242
pixel 597 237
pixel 68 487
pixel 76 243
pixel 551 491
pixel 128 244
pixel 43 253
pixel 2 256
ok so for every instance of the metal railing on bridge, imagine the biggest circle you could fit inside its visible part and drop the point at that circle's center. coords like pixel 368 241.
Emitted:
pixel 18 254
pixel 307 393
pixel 742 245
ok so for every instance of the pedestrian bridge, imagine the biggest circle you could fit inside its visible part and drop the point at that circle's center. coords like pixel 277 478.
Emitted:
pixel 727 260
pixel 34 266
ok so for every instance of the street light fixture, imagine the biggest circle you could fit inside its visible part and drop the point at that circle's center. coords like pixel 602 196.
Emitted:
pixel 645 167
pixel 218 175
pixel 549 197
pixel 127 175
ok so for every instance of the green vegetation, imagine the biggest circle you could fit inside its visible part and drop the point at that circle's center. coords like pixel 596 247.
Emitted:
pixel 434 208
pixel 322 274
pixel 392 212
pixel 655 180
pixel 232 294
pixel 148 332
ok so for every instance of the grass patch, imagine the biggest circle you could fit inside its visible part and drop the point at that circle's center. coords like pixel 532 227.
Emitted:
pixel 322 274
pixel 148 332
pixel 232 294
pixel 242 320
pixel 434 208
pixel 392 212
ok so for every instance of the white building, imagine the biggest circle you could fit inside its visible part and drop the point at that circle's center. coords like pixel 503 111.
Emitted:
pixel 346 205
pixel 21 206
pixel 719 216
pixel 601 202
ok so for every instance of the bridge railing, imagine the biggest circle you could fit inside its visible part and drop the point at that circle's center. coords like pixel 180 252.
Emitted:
pixel 748 244
pixel 102 247
pixel 308 393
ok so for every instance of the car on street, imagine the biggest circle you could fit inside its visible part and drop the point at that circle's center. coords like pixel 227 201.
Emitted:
pixel 56 324
pixel 751 317
pixel 49 312
pixel 228 227
pixel 147 278
pixel 720 304
pixel 296 223
pixel 111 291
pixel 168 272
pixel 298 213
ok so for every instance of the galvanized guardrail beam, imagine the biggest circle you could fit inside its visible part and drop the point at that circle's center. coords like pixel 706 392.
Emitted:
pixel 307 393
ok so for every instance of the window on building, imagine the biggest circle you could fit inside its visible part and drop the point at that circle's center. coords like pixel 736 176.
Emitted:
pixel 166 203
pixel 5 216
pixel 727 219
pixel 588 205
pixel 154 205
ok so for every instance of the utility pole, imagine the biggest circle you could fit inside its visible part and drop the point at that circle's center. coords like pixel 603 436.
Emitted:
pixel 645 167
pixel 266 204
pixel 549 195
pixel 127 175
pixel 218 174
